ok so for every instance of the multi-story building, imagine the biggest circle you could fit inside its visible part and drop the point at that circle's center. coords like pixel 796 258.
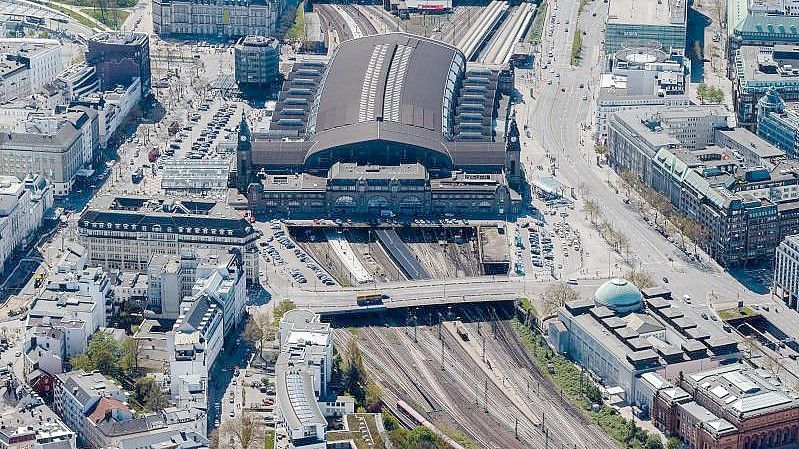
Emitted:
pixel 635 136
pixel 733 406
pixel 30 424
pixel 78 80
pixel 302 377
pixel 124 232
pixel 739 188
pixel 112 107
pixel 758 69
pixel 256 62
pixel 196 177
pixel 217 18
pixel 77 304
pixel 777 123
pixel 23 205
pixel 621 334
pixel 786 271
pixel 119 58
pixel 195 340
pixel 756 28
pixel 652 21
pixel 638 77
pixel 27 65
pixel 77 393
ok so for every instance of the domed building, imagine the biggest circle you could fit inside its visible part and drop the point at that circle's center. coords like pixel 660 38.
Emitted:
pixel 620 296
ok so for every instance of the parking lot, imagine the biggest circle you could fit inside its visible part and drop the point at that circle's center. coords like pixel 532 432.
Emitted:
pixel 283 261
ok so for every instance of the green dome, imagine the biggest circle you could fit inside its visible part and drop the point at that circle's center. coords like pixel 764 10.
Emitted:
pixel 619 295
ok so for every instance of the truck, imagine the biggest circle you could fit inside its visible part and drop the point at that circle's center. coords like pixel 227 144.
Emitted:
pixel 372 298
pixel 153 155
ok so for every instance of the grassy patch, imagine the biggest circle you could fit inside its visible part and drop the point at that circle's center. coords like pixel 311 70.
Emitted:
pixel 460 437
pixel 528 306
pixel 78 17
pixel 112 18
pixel 736 312
pixel 577 47
pixel 574 387
pixel 96 3
pixel 353 423
pixel 537 29
pixel 269 439
pixel 297 30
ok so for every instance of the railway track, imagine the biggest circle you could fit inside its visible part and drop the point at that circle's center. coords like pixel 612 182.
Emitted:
pixel 565 424
pixel 512 30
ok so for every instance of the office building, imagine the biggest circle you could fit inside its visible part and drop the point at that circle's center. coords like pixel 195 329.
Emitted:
pixel 651 21
pixel 196 177
pixel 111 107
pixel 747 27
pixel 77 80
pixel 76 304
pixel 622 333
pixel 257 61
pixel 217 19
pixel 639 76
pixel 302 377
pixel 119 58
pixel 367 135
pixel 195 340
pixel 23 205
pixel 729 406
pixel 758 69
pixel 124 232
pixel 636 135
pixel 778 123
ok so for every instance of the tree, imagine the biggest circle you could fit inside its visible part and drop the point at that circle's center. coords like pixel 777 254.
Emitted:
pixel 131 351
pixel 260 329
pixel 653 442
pixel 557 295
pixel 600 149
pixel 354 373
pixel 241 432
pixel 281 308
pixel 591 209
pixel 103 354
pixel 630 180
pixel 673 443
pixel 640 278
pixel 149 395
pixel 373 394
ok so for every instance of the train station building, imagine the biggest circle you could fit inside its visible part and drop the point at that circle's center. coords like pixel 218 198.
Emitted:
pixel 392 125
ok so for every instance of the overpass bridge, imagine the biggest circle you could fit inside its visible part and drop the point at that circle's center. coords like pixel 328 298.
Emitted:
pixel 427 293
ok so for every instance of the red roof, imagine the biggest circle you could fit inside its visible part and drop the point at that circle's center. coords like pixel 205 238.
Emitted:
pixel 104 405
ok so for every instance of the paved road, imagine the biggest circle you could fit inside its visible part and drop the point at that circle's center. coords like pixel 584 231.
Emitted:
pixel 557 117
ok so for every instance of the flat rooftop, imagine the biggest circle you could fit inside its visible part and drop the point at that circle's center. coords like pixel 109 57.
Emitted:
pixel 647 12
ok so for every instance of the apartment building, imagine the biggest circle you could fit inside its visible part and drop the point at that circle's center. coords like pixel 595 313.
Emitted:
pixel 23 205
pixel 26 422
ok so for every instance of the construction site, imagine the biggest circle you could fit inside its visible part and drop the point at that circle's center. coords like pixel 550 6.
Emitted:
pixel 361 255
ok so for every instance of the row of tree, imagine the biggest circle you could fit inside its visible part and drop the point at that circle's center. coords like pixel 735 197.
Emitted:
pixel 688 228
